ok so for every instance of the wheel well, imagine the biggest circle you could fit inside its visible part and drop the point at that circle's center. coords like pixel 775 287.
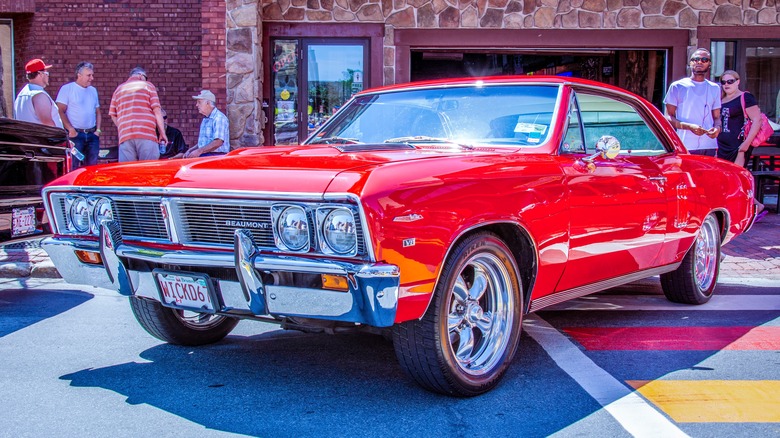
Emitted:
pixel 724 221
pixel 523 250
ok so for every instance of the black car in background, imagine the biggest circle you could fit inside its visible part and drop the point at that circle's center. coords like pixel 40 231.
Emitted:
pixel 31 155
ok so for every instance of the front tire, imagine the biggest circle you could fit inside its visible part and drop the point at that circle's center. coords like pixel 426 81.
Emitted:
pixel 180 327
pixel 466 340
pixel 693 282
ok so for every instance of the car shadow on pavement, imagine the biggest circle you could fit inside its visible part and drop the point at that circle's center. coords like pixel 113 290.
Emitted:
pixel 20 308
pixel 286 384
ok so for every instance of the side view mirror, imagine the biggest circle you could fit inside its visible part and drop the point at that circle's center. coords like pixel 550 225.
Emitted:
pixel 607 147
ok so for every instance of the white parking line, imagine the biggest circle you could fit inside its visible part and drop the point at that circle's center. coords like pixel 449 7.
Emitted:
pixel 633 413
pixel 659 302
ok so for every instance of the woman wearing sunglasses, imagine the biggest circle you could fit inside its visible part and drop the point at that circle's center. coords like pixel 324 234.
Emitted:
pixel 732 141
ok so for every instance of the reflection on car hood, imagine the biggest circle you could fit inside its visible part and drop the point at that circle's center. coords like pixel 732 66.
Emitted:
pixel 273 169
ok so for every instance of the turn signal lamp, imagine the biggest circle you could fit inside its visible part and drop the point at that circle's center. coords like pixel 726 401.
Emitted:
pixel 89 257
pixel 335 282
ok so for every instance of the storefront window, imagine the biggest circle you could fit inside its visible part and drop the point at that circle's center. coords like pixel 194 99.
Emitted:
pixel 758 63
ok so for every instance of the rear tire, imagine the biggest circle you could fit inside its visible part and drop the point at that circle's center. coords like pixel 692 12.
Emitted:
pixel 469 335
pixel 693 282
pixel 180 327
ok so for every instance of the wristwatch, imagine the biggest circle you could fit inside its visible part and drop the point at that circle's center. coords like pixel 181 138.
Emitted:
pixel 98 131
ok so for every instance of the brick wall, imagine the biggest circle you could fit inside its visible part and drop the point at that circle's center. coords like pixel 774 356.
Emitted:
pixel 181 45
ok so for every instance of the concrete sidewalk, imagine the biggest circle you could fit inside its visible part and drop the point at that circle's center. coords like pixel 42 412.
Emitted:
pixel 754 255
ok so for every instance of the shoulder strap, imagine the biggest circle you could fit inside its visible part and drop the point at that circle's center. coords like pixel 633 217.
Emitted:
pixel 742 100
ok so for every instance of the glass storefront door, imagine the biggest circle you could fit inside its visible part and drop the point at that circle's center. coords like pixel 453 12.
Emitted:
pixel 307 93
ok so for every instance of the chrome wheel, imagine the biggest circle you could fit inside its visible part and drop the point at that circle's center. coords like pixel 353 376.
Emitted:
pixel 707 254
pixel 180 327
pixel 198 321
pixel 478 314
pixel 467 338
pixel 693 282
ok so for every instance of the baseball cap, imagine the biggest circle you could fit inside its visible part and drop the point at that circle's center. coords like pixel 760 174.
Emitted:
pixel 206 95
pixel 36 65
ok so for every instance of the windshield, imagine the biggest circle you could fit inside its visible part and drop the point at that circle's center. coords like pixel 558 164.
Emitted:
pixel 511 115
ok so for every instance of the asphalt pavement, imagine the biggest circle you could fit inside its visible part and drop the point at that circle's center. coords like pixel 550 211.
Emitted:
pixel 754 255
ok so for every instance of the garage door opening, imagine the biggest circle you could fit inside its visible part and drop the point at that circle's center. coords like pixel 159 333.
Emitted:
pixel 640 71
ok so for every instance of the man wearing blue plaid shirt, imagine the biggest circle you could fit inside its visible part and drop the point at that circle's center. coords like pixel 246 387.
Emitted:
pixel 214 136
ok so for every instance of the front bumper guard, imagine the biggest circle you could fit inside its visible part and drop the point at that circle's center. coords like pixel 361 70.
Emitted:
pixel 372 297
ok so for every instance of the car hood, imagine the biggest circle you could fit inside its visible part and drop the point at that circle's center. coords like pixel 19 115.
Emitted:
pixel 308 169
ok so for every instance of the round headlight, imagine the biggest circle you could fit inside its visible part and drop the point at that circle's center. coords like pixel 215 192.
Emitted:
pixel 102 211
pixel 293 229
pixel 78 215
pixel 338 229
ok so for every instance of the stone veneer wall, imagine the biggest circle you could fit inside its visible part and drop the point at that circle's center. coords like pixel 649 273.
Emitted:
pixel 245 17
pixel 244 72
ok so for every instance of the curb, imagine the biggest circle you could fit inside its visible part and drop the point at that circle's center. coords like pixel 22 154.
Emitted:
pixel 15 269
pixel 44 269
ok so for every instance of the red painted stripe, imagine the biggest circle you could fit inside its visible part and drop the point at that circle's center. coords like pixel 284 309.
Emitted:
pixel 676 338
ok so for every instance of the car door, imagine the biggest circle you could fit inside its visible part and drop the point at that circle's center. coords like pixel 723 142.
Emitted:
pixel 617 206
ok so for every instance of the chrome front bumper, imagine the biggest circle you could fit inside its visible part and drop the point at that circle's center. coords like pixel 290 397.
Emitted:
pixel 372 297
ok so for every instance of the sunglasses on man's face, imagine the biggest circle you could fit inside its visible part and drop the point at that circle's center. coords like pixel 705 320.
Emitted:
pixel 699 59
pixel 727 81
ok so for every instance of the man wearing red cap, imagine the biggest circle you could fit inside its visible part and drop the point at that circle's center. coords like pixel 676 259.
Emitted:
pixel 33 103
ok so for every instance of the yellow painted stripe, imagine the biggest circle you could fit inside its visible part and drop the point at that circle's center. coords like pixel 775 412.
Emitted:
pixel 714 401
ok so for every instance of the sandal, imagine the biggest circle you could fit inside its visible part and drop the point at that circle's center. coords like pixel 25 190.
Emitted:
pixel 760 215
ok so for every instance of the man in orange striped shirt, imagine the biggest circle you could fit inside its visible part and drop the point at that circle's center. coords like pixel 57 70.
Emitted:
pixel 135 110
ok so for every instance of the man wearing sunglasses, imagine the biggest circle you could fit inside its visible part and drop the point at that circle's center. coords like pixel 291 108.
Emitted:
pixel 693 106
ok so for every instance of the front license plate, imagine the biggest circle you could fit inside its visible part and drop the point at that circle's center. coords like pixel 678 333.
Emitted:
pixel 22 221
pixel 185 291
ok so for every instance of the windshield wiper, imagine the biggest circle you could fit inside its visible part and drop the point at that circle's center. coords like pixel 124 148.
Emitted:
pixel 334 140
pixel 426 139
pixel 418 138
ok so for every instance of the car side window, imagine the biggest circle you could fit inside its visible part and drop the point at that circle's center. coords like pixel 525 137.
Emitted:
pixel 573 142
pixel 604 116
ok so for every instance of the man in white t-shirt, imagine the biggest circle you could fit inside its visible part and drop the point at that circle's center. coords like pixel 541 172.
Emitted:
pixel 693 107
pixel 80 112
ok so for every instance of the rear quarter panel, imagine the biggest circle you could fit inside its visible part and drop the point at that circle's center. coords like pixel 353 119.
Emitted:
pixel 715 186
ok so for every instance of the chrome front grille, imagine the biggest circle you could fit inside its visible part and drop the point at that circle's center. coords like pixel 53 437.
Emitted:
pixel 214 223
pixel 140 218
pixel 207 222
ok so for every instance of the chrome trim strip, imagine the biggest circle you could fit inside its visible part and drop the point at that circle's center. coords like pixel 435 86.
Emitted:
pixel 195 193
pixel 20 201
pixel 36 146
pixel 559 297
pixel 162 194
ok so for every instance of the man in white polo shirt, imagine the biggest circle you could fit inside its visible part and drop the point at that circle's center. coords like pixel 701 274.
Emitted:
pixel 80 112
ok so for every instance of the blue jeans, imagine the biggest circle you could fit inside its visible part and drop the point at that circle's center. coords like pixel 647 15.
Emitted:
pixel 87 144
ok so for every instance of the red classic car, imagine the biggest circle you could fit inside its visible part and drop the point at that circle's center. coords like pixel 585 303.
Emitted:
pixel 438 212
